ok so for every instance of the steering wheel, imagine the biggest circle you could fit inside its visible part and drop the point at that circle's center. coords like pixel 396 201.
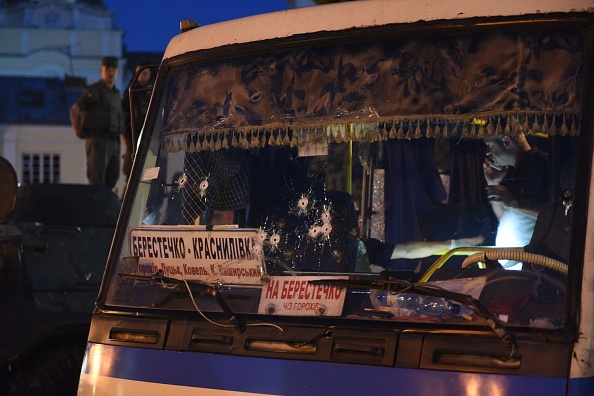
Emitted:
pixel 517 255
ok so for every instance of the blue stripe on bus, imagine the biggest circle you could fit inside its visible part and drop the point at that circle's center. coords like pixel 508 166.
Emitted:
pixel 581 386
pixel 297 377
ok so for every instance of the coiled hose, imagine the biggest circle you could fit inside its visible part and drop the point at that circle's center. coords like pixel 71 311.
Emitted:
pixel 517 255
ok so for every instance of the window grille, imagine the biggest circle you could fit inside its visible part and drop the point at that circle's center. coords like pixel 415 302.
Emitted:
pixel 40 168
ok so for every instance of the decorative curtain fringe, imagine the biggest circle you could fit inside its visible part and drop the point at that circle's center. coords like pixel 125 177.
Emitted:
pixel 464 127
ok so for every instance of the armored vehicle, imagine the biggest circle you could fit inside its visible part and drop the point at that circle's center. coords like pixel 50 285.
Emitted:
pixel 54 241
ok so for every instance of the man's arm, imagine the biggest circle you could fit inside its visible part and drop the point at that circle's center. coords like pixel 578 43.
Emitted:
pixel 75 119
pixel 494 177
pixel 499 198
pixel 420 249
pixel 502 199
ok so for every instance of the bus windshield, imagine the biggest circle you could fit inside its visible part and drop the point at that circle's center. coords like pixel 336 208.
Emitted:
pixel 394 178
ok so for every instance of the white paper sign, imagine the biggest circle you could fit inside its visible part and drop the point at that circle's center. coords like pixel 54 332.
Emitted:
pixel 296 296
pixel 188 253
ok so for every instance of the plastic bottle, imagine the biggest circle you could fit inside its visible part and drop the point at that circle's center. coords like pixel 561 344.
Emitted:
pixel 403 304
pixel 410 304
pixel 437 306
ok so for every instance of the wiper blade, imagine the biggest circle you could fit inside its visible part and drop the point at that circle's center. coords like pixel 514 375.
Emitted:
pixel 200 286
pixel 398 287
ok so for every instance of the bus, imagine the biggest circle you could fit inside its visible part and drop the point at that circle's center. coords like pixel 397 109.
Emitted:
pixel 360 198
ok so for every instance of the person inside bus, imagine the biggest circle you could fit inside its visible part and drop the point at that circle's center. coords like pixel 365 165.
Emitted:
pixel 375 255
pixel 517 187
pixel 342 249
pixel 284 177
pixel 552 232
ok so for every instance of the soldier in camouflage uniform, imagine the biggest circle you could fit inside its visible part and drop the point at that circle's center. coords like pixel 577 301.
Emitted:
pixel 97 117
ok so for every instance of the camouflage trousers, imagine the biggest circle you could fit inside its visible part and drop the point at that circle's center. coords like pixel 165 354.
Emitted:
pixel 103 161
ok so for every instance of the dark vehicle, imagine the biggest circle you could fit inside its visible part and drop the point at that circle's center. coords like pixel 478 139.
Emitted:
pixel 54 241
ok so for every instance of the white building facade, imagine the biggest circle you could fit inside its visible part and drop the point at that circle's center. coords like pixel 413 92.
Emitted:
pixel 51 39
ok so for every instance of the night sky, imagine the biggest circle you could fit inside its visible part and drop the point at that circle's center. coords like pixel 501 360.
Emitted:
pixel 149 25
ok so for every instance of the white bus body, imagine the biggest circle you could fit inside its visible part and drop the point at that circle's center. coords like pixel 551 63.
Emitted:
pixel 312 208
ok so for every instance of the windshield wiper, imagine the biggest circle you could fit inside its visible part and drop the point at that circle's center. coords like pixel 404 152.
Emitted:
pixel 398 287
pixel 201 287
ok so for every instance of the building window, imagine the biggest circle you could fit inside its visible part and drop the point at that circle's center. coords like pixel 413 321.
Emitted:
pixel 40 168
pixel 52 19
